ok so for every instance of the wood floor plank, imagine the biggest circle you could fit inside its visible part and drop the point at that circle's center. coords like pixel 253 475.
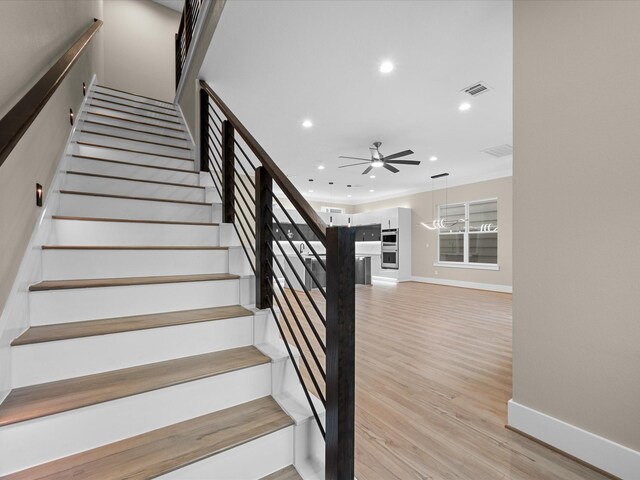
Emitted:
pixel 143 165
pixel 132 220
pixel 128 281
pixel 35 401
pixel 129 139
pixel 166 449
pixel 433 378
pixel 132 247
pixel 134 94
pixel 141 152
pixel 90 328
pixel 287 473
pixel 136 130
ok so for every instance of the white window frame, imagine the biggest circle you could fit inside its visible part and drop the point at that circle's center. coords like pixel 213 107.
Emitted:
pixel 465 262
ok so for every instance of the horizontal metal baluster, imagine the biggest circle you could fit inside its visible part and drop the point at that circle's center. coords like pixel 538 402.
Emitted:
pixel 304 288
pixel 297 343
pixel 299 324
pixel 313 250
pixel 299 302
pixel 246 222
pixel 297 370
pixel 307 268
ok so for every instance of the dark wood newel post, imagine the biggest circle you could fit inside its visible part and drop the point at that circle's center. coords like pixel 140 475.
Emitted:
pixel 340 386
pixel 264 208
pixel 228 173
pixel 204 130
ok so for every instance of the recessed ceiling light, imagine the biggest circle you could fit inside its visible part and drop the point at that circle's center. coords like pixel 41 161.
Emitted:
pixel 372 176
pixel 433 159
pixel 464 106
pixel 310 191
pixel 386 66
pixel 307 124
pixel 348 196
pixel 320 167
pixel 372 190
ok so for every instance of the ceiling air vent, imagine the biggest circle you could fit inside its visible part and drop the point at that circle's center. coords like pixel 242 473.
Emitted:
pixel 500 150
pixel 476 89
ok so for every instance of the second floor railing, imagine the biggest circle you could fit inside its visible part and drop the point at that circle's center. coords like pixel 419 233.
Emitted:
pixel 185 34
pixel 311 296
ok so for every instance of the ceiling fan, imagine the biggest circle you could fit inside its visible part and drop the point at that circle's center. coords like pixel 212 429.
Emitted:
pixel 379 160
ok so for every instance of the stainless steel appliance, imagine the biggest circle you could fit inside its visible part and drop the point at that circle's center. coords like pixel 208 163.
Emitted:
pixel 389 254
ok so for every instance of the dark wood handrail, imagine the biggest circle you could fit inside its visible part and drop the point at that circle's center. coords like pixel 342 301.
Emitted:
pixel 17 120
pixel 316 223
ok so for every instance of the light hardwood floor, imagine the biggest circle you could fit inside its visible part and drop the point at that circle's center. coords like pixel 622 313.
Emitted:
pixel 433 377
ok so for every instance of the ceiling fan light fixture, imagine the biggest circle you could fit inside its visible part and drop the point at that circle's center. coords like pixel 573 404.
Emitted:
pixel 377 163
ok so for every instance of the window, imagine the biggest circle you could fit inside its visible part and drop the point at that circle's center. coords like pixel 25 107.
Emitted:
pixel 470 237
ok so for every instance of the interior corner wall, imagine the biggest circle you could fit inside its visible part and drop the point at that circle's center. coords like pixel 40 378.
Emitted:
pixel 424 244
pixel 576 303
pixel 34 36
pixel 139 47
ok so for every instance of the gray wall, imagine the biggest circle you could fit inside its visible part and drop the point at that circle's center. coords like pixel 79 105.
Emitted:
pixel 139 48
pixel 34 35
pixel 576 303
pixel 424 246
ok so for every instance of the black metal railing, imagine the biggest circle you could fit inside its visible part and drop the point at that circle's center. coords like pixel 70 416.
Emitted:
pixel 311 296
pixel 186 30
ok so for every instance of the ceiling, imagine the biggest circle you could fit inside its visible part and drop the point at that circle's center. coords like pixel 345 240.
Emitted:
pixel 176 5
pixel 277 63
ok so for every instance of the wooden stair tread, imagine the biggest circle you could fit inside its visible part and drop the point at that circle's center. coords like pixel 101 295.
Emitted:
pixel 128 281
pixel 132 247
pixel 134 113
pixel 132 220
pixel 171 108
pixel 36 401
pixel 129 129
pixel 129 179
pixel 161 451
pixel 129 139
pixel 287 473
pixel 131 197
pixel 141 152
pixel 90 328
pixel 122 119
pixel 135 94
pixel 137 107
pixel 143 165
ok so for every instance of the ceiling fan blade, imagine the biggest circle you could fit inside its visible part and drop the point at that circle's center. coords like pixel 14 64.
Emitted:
pixel 405 162
pixel 367 170
pixel 352 164
pixel 356 158
pixel 390 168
pixel 404 153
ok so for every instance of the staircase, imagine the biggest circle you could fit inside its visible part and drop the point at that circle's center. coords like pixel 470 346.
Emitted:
pixel 144 357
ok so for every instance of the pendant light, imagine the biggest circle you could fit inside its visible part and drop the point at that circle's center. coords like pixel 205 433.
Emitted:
pixel 440 223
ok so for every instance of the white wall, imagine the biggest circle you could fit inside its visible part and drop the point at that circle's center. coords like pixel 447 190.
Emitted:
pixel 576 303
pixel 139 52
pixel 34 35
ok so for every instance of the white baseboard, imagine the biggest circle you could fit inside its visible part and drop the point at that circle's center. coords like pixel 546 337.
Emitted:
pixel 604 454
pixel 463 284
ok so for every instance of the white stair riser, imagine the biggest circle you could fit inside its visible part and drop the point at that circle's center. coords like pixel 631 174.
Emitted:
pixel 252 460
pixel 95 102
pixel 73 264
pixel 74 305
pixel 51 361
pixel 137 135
pixel 105 207
pixel 133 102
pixel 75 232
pixel 104 109
pixel 84 183
pixel 132 157
pixel 64 434
pixel 143 100
pixel 89 165
pixel 138 124
pixel 134 145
